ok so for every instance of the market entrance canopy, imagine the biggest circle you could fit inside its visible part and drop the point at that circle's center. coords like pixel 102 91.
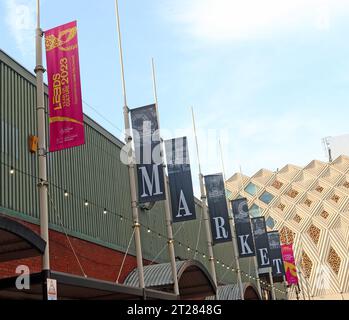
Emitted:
pixel 194 280
pixel 18 242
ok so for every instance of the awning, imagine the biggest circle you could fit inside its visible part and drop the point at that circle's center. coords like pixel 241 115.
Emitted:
pixel 70 287
pixel 193 279
pixel 232 292
pixel 18 241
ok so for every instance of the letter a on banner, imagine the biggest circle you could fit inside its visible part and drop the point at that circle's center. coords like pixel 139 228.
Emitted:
pixel 243 228
pixel 217 205
pixel 150 169
pixel 179 175
pixel 65 99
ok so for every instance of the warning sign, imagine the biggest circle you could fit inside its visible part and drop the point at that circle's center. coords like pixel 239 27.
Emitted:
pixel 51 289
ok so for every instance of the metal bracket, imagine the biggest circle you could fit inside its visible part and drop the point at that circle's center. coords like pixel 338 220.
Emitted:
pixel 39 68
pixel 43 184
pixel 42 152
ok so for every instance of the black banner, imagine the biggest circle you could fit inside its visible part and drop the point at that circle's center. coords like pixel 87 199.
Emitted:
pixel 179 175
pixel 261 242
pixel 217 205
pixel 150 170
pixel 276 255
pixel 243 228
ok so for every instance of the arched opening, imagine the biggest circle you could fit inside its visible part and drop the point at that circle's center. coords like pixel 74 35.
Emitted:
pixel 18 242
pixel 194 280
pixel 232 292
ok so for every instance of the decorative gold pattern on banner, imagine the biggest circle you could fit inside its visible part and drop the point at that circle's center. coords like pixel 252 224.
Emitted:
pixel 63 38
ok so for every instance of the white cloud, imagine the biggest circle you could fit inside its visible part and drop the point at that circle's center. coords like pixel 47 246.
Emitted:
pixel 227 20
pixel 20 19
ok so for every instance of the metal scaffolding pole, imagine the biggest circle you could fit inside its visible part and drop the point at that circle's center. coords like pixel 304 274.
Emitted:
pixel 204 209
pixel 42 152
pixel 131 166
pixel 171 249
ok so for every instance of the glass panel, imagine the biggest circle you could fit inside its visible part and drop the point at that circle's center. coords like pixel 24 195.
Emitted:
pixel 251 189
pixel 270 223
pixel 255 211
pixel 228 194
pixel 266 197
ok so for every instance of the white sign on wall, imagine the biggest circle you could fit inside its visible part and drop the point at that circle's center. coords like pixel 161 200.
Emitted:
pixel 51 289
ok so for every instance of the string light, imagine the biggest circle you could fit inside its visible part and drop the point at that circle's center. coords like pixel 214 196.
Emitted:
pixel 87 203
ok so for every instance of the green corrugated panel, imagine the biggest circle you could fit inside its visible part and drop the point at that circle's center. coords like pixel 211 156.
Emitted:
pixel 93 172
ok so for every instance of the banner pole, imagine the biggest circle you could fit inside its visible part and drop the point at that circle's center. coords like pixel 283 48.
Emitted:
pixel 131 166
pixel 167 193
pixel 286 287
pixel 233 233
pixel 204 209
pixel 255 260
pixel 272 284
pixel 42 152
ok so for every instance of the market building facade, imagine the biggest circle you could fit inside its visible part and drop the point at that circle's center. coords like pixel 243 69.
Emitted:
pixel 90 219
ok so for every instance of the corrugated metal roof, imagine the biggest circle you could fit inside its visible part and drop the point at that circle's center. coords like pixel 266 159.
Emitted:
pixel 230 292
pixel 155 275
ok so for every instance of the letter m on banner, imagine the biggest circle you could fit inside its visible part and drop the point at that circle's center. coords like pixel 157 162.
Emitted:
pixel 150 168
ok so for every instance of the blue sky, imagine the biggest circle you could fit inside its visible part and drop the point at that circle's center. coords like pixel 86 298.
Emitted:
pixel 270 77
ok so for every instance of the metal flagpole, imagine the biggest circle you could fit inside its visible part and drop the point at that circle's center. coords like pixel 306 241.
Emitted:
pixel 286 287
pixel 131 166
pixel 204 209
pixel 43 184
pixel 233 234
pixel 167 201
pixel 272 284
pixel 255 256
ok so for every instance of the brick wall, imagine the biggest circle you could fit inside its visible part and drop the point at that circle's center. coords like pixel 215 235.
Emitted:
pixel 98 262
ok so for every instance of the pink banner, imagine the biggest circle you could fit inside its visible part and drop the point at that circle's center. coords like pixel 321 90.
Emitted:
pixel 65 100
pixel 290 264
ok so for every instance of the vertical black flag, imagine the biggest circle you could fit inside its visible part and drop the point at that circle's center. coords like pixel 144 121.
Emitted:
pixel 261 242
pixel 179 175
pixel 243 228
pixel 150 170
pixel 276 255
pixel 217 205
